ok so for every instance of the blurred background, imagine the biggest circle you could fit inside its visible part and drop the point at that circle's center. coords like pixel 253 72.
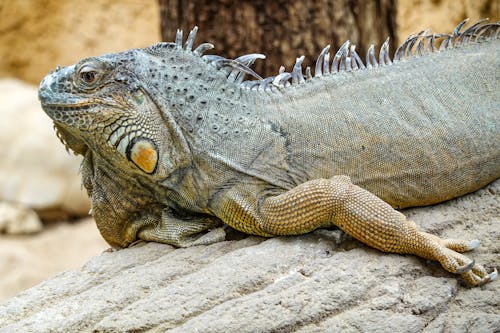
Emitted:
pixel 44 223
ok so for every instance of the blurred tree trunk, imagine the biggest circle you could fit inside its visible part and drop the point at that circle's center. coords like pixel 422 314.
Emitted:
pixel 283 30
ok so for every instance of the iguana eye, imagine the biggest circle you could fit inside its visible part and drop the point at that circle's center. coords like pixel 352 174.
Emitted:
pixel 88 75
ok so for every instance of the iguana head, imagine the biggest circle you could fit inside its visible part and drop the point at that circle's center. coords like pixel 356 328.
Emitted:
pixel 121 105
pixel 101 104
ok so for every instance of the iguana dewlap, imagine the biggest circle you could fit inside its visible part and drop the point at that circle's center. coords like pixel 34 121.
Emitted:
pixel 175 142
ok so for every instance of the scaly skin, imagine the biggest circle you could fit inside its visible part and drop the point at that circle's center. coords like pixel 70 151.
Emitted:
pixel 174 147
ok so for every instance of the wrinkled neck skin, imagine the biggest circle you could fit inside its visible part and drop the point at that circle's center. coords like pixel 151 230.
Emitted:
pixel 124 197
pixel 117 200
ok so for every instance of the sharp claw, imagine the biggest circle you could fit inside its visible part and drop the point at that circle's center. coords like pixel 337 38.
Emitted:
pixel 465 268
pixel 490 277
pixel 474 244
pixel 493 275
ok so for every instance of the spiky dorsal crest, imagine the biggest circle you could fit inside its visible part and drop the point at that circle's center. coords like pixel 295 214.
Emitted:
pixel 236 68
pixel 346 59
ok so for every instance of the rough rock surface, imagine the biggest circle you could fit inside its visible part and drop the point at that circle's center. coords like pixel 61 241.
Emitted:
pixel 35 169
pixel 319 282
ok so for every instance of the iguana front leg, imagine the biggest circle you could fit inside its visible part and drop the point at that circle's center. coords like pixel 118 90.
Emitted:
pixel 165 229
pixel 122 225
pixel 183 233
pixel 336 201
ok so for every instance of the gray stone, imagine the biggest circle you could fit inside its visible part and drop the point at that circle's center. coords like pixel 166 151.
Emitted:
pixel 320 282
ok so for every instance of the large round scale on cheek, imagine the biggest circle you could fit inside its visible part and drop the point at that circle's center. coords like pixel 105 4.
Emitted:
pixel 143 153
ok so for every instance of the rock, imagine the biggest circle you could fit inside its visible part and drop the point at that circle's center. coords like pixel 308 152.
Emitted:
pixel 35 169
pixel 310 283
pixel 17 219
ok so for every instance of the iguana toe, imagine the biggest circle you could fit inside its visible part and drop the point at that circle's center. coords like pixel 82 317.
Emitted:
pixel 465 268
pixel 137 243
pixel 460 246
pixel 488 278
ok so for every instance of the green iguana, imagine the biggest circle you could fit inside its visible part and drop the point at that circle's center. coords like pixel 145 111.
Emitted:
pixel 176 143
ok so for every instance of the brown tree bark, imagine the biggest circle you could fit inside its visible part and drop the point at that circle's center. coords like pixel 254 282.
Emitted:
pixel 282 30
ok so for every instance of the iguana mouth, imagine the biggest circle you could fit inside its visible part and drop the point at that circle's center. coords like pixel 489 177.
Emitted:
pixel 52 108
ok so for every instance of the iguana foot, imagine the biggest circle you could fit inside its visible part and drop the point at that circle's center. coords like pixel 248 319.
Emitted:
pixel 187 239
pixel 446 251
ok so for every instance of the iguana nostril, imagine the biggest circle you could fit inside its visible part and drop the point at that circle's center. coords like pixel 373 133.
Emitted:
pixel 44 91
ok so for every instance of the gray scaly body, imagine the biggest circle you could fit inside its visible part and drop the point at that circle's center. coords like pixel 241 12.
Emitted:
pixel 175 143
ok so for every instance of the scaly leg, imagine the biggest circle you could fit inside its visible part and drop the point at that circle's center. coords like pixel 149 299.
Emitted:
pixel 184 233
pixel 323 202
